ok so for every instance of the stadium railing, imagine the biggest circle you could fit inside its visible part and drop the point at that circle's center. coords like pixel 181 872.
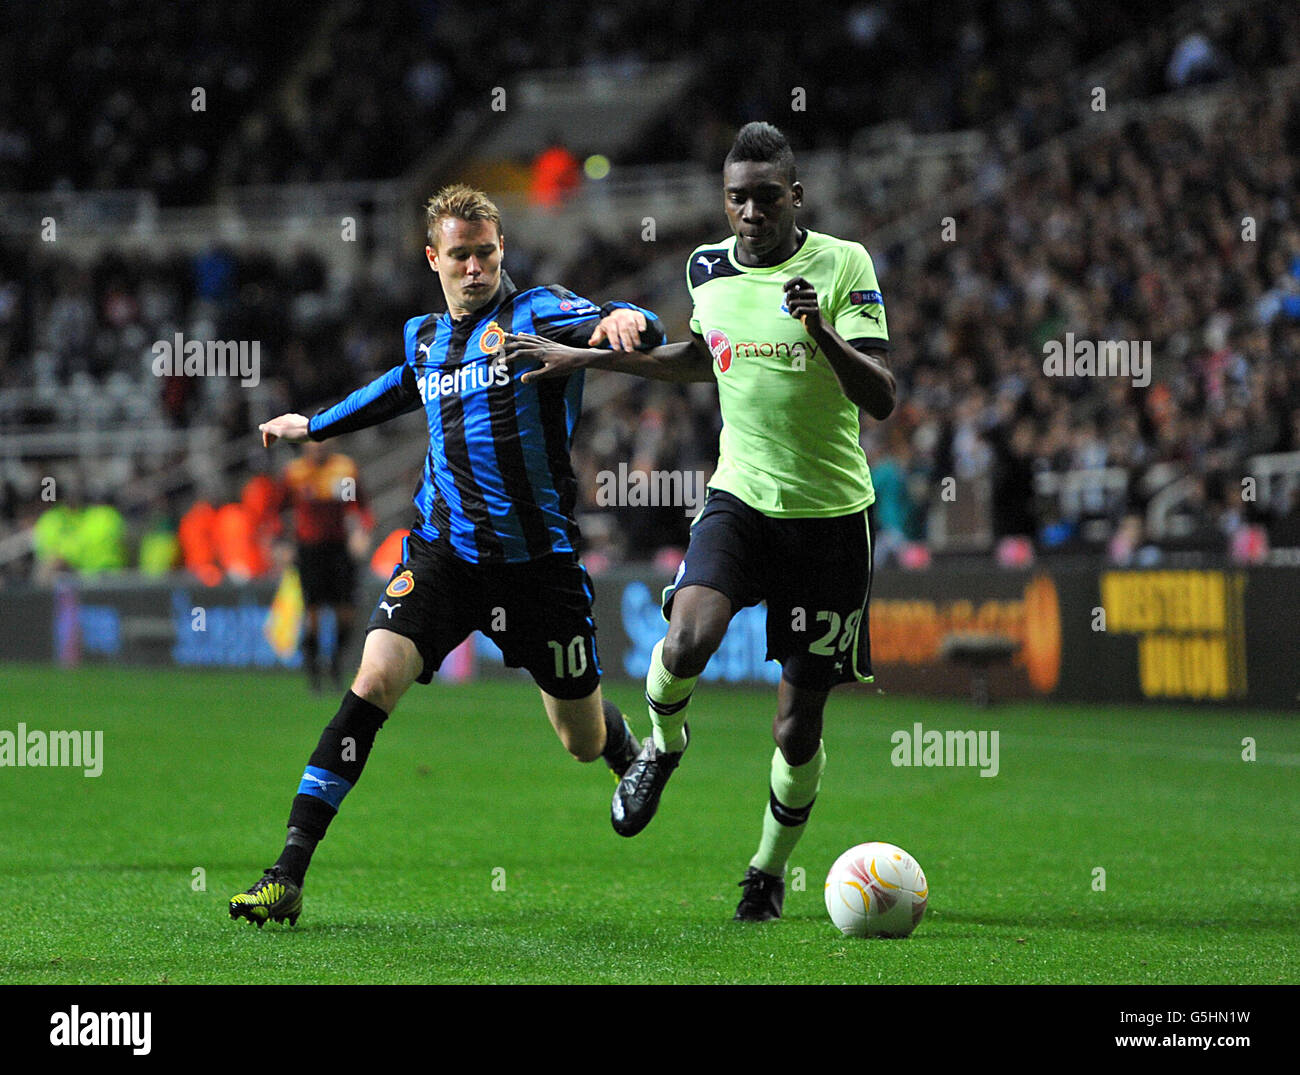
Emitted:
pixel 1085 492
pixel 295 215
pixel 964 524
pixel 1277 477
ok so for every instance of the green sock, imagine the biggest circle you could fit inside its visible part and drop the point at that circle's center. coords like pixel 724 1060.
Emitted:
pixel 793 791
pixel 667 696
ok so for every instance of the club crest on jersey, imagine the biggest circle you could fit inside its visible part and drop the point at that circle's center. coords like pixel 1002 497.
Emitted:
pixel 491 339
pixel 401 586
pixel 719 348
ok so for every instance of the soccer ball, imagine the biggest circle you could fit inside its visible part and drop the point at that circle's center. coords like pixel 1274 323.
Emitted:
pixel 876 890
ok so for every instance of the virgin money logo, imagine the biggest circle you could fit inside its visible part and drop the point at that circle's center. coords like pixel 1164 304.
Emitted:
pixel 719 348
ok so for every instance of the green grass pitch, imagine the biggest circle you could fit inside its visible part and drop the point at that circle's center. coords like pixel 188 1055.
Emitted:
pixel 468 786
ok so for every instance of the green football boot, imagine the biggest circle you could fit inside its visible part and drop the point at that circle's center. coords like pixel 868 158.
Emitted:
pixel 275 897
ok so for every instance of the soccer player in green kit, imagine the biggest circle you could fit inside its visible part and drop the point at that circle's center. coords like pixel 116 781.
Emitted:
pixel 791 323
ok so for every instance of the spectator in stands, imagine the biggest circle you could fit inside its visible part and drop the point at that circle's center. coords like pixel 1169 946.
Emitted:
pixel 160 549
pixel 1013 480
pixel 893 507
pixel 196 534
pixel 1284 527
pixel 56 538
pixel 1195 61
pixel 331 527
pixel 89 540
pixel 1196 522
pixel 1128 546
pixel 101 543
pixel 263 498
pixel 234 533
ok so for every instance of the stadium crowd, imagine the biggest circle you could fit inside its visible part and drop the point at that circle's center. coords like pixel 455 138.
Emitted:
pixel 348 90
pixel 1180 234
pixel 1155 232
pixel 1158 232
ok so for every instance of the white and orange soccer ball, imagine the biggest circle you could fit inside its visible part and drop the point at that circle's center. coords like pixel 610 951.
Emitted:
pixel 876 890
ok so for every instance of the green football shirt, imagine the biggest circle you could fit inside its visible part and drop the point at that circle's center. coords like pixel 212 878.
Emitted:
pixel 789 445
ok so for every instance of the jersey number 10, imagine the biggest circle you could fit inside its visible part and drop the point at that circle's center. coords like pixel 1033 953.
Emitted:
pixel 576 652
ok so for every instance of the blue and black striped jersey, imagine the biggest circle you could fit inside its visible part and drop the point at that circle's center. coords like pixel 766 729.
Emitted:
pixel 497 483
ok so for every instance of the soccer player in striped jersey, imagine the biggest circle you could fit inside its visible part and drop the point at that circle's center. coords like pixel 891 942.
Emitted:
pixel 494 543
pixel 791 324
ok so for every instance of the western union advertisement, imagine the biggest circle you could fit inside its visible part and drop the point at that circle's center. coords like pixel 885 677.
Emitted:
pixel 1189 628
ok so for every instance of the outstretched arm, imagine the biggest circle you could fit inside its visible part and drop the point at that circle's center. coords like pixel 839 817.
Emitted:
pixel 682 362
pixel 560 315
pixel 383 398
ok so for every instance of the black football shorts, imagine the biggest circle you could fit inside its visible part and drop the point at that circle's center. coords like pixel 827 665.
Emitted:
pixel 328 573
pixel 538 613
pixel 813 574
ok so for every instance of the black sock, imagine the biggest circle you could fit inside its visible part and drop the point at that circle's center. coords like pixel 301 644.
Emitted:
pixel 310 652
pixel 615 732
pixel 332 771
pixel 341 641
pixel 296 856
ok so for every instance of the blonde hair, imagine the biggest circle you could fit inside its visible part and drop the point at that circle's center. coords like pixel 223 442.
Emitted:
pixel 459 202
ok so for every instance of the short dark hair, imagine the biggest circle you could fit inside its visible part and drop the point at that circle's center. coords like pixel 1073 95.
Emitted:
pixel 762 142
